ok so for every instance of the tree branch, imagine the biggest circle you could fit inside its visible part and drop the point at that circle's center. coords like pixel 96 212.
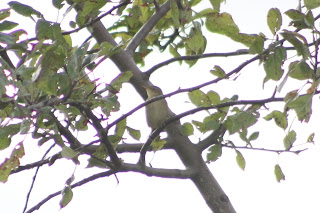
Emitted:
pixel 195 57
pixel 147 27
pixel 102 133
pixel 166 173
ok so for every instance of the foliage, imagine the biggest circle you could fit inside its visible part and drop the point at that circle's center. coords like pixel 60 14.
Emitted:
pixel 51 95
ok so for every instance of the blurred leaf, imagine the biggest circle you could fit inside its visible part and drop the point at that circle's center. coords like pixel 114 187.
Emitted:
pixel 200 126
pixel 257 45
pixel 211 122
pixel 240 160
pixel 25 126
pixel 186 129
pixel 68 153
pixel 11 163
pixel 7 39
pixel 199 98
pixel 4 13
pixel 121 127
pixel 300 70
pixel 120 79
pixel 272 65
pixel 241 120
pixel 278 173
pixel 136 134
pixel 23 9
pixel 279 117
pixel 157 144
pixel 274 20
pixel 174 13
pixel 214 152
pixel 218 71
pixel 223 23
pixel 289 139
pixel 310 138
pixel 253 136
pixel 57 3
pixel 302 106
pixel 295 39
pixel 311 4
pixel 7 25
pixel 100 153
pixel 6 133
pixel 213 97
pixel 67 195
pixel 48 30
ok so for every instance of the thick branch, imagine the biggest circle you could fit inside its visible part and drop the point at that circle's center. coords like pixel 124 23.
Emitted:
pixel 102 134
pixel 147 27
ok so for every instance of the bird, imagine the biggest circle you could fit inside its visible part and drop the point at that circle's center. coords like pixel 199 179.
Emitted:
pixel 158 111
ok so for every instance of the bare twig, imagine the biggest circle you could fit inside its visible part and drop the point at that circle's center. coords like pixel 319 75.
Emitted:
pixel 34 178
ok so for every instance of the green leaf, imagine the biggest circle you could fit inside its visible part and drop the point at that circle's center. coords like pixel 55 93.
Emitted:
pixel 274 20
pixel 25 126
pixel 300 70
pixel 158 144
pixel 196 42
pixel 7 25
pixel 67 195
pixel 216 5
pixel 223 23
pixel 7 39
pixel 239 121
pixel 295 39
pixel 121 127
pixel 68 153
pixel 81 124
pixel 174 13
pixel 213 97
pixel 186 129
pixel 199 98
pixel 100 153
pixel 200 126
pixel 120 79
pixel 311 4
pixel 211 122
pixel 136 134
pixel 257 45
pixel 218 71
pixel 6 133
pixel 278 173
pixel 272 65
pixel 214 153
pixel 48 30
pixel 23 9
pixel 240 160
pixel 279 118
pixel 289 139
pixel 310 138
pixel 57 3
pixel 11 163
pixel 4 13
pixel 92 6
pixel 300 20
pixel 253 136
pixel 302 106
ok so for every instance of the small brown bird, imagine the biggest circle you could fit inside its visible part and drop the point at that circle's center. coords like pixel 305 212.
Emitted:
pixel 157 112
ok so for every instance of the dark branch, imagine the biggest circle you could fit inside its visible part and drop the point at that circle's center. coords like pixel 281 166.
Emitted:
pixel 195 57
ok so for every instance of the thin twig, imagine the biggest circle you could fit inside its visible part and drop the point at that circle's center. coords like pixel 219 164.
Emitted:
pixel 34 178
